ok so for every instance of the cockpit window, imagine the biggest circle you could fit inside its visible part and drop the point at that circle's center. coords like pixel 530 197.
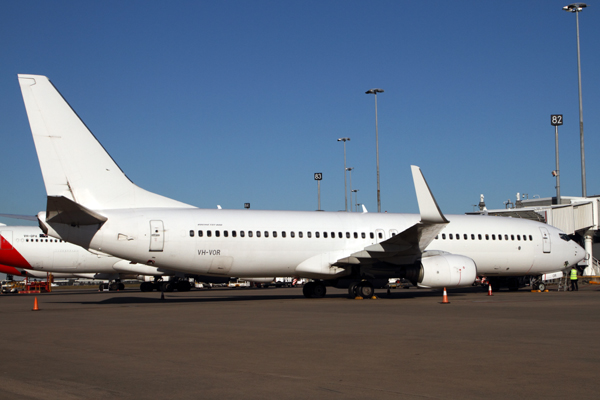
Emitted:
pixel 564 237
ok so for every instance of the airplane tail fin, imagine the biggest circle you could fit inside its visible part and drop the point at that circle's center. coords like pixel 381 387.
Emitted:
pixel 74 164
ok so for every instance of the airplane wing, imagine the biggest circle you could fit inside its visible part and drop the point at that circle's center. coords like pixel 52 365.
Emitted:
pixel 408 245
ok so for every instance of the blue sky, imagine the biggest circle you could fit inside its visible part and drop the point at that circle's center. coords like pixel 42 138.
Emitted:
pixel 242 101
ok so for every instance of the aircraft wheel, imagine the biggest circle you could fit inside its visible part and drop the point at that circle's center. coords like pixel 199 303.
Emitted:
pixel 146 286
pixel 113 286
pixel 308 289
pixel 101 287
pixel 352 292
pixel 366 290
pixel 319 290
pixel 121 286
pixel 168 286
pixel 541 286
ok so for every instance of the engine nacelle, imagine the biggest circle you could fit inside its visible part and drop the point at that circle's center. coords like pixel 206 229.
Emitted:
pixel 447 270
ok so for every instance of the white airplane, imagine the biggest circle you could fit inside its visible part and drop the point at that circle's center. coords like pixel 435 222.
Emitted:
pixel 93 204
pixel 27 251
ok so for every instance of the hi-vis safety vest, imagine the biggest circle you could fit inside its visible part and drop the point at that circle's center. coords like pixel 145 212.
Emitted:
pixel 573 274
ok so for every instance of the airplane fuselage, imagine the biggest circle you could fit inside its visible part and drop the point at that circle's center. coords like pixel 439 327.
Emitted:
pixel 274 243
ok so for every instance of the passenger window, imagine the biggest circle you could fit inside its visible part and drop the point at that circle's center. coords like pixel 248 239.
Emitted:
pixel 282 234
pixel 242 234
pixel 191 233
pixel 380 235
pixel 457 236
pixel 355 235
pixel 249 233
pixel 300 234
pixel 450 236
pixel 317 235
pixel 217 233
pixel 465 236
pixel 347 235
pixel 530 237
pixel 209 233
pixel 363 235
pixel 436 237
pixel 292 234
pixel 371 235
pixel 325 235
pixel 505 237
pixel 493 237
pixel 340 235
pixel 308 234
pixel 499 237
pixel 518 237
pixel 234 233
pixel 266 233
pixel 472 236
pixel 274 233
pixel 226 233
pixel 524 237
pixel 333 235
pixel 487 237
pixel 444 236
pixel 257 233
pixel 479 236
pixel 512 237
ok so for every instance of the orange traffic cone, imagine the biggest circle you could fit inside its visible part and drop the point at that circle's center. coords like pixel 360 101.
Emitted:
pixel 490 290
pixel 445 299
pixel 35 305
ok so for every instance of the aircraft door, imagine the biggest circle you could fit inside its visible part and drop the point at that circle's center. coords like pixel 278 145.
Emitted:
pixel 6 240
pixel 545 240
pixel 379 235
pixel 157 238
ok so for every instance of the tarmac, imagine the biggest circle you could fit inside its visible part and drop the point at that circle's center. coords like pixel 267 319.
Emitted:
pixel 276 344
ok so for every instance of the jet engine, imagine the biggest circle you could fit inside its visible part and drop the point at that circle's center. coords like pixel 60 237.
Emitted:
pixel 443 270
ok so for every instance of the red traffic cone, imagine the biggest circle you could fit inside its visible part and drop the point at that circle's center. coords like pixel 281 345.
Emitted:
pixel 35 305
pixel 445 298
pixel 490 290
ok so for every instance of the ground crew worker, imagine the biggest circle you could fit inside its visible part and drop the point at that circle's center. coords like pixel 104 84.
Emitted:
pixel 574 285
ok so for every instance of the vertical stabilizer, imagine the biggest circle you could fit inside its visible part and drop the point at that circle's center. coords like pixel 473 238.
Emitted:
pixel 428 207
pixel 74 164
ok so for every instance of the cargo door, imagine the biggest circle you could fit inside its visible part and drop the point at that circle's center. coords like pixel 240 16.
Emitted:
pixel 157 236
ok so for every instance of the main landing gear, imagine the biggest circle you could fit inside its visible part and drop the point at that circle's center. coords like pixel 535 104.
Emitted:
pixel 114 286
pixel 362 289
pixel 316 289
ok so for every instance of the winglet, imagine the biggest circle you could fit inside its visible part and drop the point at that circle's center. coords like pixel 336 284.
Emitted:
pixel 428 207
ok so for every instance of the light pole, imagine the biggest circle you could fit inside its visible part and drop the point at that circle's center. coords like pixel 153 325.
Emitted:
pixel 375 91
pixel 349 169
pixel 345 139
pixel 576 8
pixel 356 199
pixel 556 120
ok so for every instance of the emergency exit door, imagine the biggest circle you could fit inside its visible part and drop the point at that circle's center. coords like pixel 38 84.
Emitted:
pixel 157 236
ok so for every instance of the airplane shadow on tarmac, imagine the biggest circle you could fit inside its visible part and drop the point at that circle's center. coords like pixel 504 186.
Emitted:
pixel 127 297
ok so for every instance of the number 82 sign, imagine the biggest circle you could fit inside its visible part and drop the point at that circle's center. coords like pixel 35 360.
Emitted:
pixel 556 119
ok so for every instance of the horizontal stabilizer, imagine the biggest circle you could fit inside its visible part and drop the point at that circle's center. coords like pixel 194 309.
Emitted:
pixel 61 210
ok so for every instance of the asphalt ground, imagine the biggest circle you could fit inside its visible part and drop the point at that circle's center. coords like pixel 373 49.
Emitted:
pixel 276 344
